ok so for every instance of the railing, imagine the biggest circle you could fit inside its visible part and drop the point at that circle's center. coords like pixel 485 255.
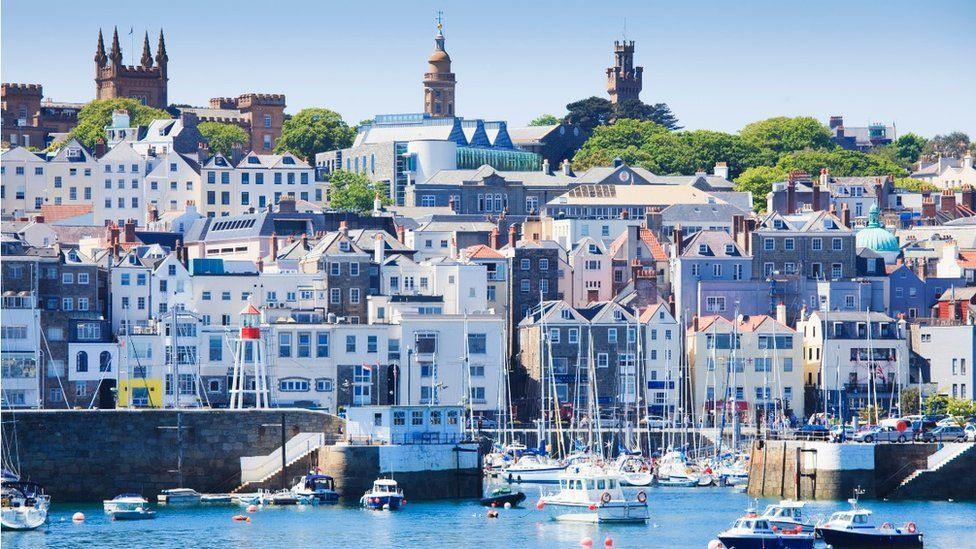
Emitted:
pixel 946 454
pixel 260 468
pixel 407 439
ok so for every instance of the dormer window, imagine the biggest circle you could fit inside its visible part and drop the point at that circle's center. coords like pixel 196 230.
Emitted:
pixel 703 248
pixel 593 248
pixel 253 160
pixel 288 160
pixel 778 224
pixel 729 249
pixel 617 315
pixel 344 246
pixel 567 315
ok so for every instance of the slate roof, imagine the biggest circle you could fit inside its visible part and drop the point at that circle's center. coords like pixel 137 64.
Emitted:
pixel 746 323
pixel 705 213
pixel 628 195
pixel 802 222
pixel 531 134
pixel 715 242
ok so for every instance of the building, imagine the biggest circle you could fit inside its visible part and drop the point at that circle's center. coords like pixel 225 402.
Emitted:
pixel 949 348
pixel 624 80
pixel 555 143
pixel 753 361
pixel 29 120
pixel 257 181
pixel 861 138
pixel 857 195
pixel 21 352
pixel 700 257
pixel 813 244
pixel 23 184
pixel 439 81
pixel 144 82
pixel 913 294
pixel 947 173
pixel 261 115
pixel 590 273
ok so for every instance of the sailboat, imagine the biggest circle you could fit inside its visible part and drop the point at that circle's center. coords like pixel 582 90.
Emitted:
pixel 24 505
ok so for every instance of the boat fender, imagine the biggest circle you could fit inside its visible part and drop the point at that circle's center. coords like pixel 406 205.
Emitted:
pixel 403 502
pixel 605 498
pixel 540 505
pixel 492 514
pixel 641 496
pixel 241 518
pixel 252 508
pixel 911 528
pixel 508 505
pixel 586 542
pixel 774 528
pixel 886 526
pixel 494 504
pixel 592 507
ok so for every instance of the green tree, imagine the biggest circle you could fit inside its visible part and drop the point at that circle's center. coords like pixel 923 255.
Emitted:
pixel 910 147
pixel 94 116
pixel 658 113
pixel 223 137
pixel 952 144
pixel 936 404
pixel 353 192
pixel 688 152
pixel 914 185
pixel 625 139
pixel 589 113
pixel 544 120
pixel 961 409
pixel 759 181
pixel 312 131
pixel 781 135
pixel 840 162
pixel 908 403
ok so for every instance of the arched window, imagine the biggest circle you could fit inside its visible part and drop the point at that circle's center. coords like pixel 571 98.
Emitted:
pixel 81 364
pixel 105 362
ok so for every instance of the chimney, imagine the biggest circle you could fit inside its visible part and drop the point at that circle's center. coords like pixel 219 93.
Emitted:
pixel 845 215
pixel 379 249
pixel 274 246
pixel 493 238
pixel 401 234
pixel 781 313
pixel 967 161
pixel 815 187
pixel 671 304
pixel 451 204
pixel 678 240
pixel 344 228
pixel 694 323
pixel 152 215
pixel 790 195
pixel 652 220
pixel 286 204
pixel 377 203
pixel 545 167
pixel 928 207
pixel 966 193
pixel 721 170
pixel 305 240
pixel 617 162
pixel 39 219
pixel 948 202
pixel 879 194
pixel 260 264
pixel 203 151
pixel 836 122
pixel 512 234
pixel 100 148
pixel 129 234
pixel 736 226
pixel 113 235
pixel 567 167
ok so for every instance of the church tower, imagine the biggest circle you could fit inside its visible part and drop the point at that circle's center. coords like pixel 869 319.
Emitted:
pixel 144 82
pixel 624 80
pixel 439 81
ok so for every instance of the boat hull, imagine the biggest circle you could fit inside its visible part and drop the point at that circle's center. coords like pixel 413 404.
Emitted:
pixel 549 475
pixel 613 512
pixel 322 498
pixel 132 515
pixel 678 482
pixel 22 518
pixel 379 503
pixel 635 479
pixel 767 542
pixel 498 501
pixel 866 540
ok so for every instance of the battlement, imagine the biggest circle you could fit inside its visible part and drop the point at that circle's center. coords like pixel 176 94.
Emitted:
pixel 223 103
pixel 224 120
pixel 23 89
pixel 129 71
pixel 261 99
pixel 625 46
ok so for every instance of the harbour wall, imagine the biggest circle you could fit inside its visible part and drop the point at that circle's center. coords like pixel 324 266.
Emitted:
pixel 90 455
pixel 824 470
pixel 423 471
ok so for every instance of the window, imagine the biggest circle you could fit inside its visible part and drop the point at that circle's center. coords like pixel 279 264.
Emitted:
pixel 335 268
pixel 836 244
pixel 554 335
pixel 574 335
pixel 362 386
pixel 715 304
pixel 611 335
pixel 284 344
pixel 769 244
pixel 81 362
pixel 354 269
pixel 335 295
pixel 321 344
pixel 602 360
pixel 371 346
pixel 350 343
pixel 324 385
pixel 526 264
pixel 717 270
pixel 544 285
pixel 477 344
pixel 354 295
pixel 836 270
pixel 543 264
pixel 525 285
pixel 293 385
pixel 849 301
pixel 816 244
pixel 304 344
pixel 105 361
pixel 216 348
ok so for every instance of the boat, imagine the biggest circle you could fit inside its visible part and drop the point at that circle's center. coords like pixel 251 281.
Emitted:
pixel 534 468
pixel 128 507
pixel 753 532
pixel 856 529
pixel 590 494
pixel 787 515
pixel 318 488
pixel 632 470
pixel 500 496
pixel 673 469
pixel 385 494
pixel 24 504
pixel 216 498
pixel 175 496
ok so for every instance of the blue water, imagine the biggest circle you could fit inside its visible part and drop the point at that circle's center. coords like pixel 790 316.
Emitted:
pixel 680 517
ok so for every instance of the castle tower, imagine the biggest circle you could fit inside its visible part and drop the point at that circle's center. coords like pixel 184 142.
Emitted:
pixel 439 82
pixel 624 80
pixel 143 82
pixel 250 357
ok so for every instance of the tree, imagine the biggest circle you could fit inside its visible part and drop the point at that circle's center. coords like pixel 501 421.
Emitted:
pixel 312 131
pixel 840 162
pixel 353 192
pixel 626 139
pixel 954 144
pixel 222 137
pixel 908 403
pixel 936 404
pixel 544 120
pixel 759 181
pixel 94 116
pixel 589 113
pixel 910 147
pixel 659 113
pixel 688 152
pixel 781 135
pixel 961 409
pixel 914 185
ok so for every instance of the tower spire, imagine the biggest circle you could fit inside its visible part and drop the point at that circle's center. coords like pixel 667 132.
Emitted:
pixel 147 60
pixel 439 81
pixel 116 54
pixel 100 57
pixel 161 57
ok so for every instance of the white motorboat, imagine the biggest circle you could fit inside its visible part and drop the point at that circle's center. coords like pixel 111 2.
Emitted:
pixel 385 495
pixel 752 532
pixel 173 496
pixel 856 528
pixel 590 494
pixel 128 507
pixel 673 469
pixel 632 470
pixel 534 468
pixel 317 488
pixel 787 515
pixel 24 505
pixel 216 498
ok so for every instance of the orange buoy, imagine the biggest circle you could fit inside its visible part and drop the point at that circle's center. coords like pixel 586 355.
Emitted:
pixel 608 542
pixel 586 542
pixel 252 508
pixel 540 505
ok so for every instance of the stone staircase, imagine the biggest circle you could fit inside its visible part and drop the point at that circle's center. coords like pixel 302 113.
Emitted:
pixel 260 469
pixel 940 470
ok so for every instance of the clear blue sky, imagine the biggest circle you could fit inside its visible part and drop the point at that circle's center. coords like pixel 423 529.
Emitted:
pixel 719 64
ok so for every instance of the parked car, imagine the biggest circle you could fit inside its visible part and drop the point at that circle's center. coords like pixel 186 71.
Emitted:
pixel 840 433
pixel 485 423
pixel 946 433
pixel 970 431
pixel 654 422
pixel 884 434
pixel 813 432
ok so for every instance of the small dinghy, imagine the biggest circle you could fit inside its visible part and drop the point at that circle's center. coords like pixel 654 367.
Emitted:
pixel 500 496
pixel 179 496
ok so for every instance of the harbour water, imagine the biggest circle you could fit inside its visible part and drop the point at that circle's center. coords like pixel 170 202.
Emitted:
pixel 680 517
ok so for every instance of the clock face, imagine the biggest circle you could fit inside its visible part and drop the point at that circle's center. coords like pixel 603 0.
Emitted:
pixel 624 176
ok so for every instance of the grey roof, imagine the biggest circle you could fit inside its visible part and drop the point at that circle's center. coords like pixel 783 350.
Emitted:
pixel 706 213
pixel 802 222
pixel 936 168
pixel 530 134
pixel 206 112
pixel 716 244
pixel 258 224
pixel 742 200
pixel 964 293
pixel 852 316
pixel 460 226
pixel 702 181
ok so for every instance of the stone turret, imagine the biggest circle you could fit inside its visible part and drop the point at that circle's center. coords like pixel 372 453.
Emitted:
pixel 624 80
pixel 439 81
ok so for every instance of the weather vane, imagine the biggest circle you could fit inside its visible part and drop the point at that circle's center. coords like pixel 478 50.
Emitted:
pixel 440 20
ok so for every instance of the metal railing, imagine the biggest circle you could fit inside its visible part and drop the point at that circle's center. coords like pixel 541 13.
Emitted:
pixel 260 468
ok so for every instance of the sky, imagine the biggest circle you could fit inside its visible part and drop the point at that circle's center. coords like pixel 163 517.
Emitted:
pixel 718 64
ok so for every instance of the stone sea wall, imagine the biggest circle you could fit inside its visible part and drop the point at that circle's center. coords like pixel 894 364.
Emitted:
pixel 90 455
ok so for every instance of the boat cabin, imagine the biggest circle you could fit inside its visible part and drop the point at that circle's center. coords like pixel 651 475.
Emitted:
pixel 856 518
pixel 759 525
pixel 319 482
pixel 405 424
pixel 784 510
pixel 385 486
pixel 589 486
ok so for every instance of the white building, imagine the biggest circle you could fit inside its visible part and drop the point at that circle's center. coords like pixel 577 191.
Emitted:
pixel 20 352
pixel 462 284
pixel 23 180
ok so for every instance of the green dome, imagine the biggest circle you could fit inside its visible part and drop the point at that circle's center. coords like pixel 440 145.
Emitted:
pixel 876 237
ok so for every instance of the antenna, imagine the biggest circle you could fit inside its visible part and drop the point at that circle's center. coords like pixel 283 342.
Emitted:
pixel 625 29
pixel 440 20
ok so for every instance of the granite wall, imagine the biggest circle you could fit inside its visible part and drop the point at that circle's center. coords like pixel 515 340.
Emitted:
pixel 90 455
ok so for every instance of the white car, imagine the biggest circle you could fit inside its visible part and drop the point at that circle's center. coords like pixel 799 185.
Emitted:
pixel 970 431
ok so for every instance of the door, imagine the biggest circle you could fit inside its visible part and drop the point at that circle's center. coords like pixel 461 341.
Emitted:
pixel 106 394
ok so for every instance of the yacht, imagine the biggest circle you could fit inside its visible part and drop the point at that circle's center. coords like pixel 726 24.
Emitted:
pixel 24 505
pixel 856 528
pixel 632 470
pixel 318 488
pixel 178 496
pixel 752 532
pixel 128 507
pixel 673 469
pixel 590 494
pixel 787 515
pixel 534 468
pixel 385 494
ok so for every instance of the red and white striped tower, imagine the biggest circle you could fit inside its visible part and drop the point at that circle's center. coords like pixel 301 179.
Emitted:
pixel 250 357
